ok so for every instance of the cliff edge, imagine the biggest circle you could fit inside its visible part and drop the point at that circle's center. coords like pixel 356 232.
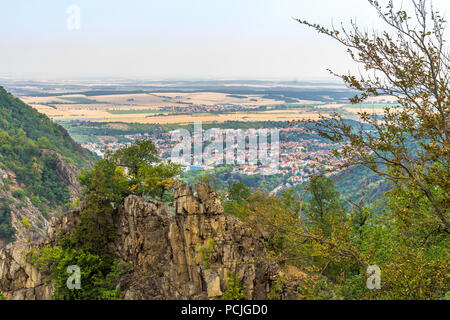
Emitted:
pixel 184 252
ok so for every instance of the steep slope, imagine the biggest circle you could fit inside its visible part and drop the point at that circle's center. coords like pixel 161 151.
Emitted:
pixel 353 182
pixel 39 163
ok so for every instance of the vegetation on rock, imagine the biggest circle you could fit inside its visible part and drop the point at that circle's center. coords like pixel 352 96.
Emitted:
pixel 105 186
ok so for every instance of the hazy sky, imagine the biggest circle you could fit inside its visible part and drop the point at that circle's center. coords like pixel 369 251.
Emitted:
pixel 169 39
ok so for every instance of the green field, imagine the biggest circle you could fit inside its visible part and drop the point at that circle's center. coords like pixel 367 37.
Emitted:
pixel 81 100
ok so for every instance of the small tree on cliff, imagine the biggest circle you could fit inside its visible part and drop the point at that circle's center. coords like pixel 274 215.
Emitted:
pixel 106 186
pixel 410 143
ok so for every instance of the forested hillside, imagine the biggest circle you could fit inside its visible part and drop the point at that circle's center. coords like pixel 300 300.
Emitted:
pixel 27 171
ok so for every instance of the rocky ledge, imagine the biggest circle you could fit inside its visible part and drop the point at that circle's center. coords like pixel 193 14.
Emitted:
pixel 184 252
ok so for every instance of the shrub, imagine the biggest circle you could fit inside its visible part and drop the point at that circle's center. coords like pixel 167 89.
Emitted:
pixel 7 184
pixel 6 229
pixel 234 291
pixel 99 278
pixel 206 253
pixel 276 291
pixel 19 193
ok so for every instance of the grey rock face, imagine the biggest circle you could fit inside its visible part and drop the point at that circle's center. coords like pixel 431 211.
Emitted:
pixel 19 280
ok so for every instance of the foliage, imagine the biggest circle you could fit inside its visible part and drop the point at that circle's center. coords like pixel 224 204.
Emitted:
pixel 106 180
pixel 335 252
pixel 238 192
pixel 413 265
pixel 206 253
pixel 325 206
pixel 25 222
pixel 23 134
pixel 276 292
pixel 95 230
pixel 234 290
pixel 408 145
pixel 410 142
pixel 6 229
pixel 143 153
pixel 19 193
pixel 105 187
pixel 98 277
pixel 158 179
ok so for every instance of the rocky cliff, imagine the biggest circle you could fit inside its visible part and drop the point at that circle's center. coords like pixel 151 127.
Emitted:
pixel 179 252
pixel 67 172
pixel 27 221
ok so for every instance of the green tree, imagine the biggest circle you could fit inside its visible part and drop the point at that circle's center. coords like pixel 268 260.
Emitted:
pixel 238 191
pixel 6 229
pixel 234 289
pixel 105 188
pixel 237 194
pixel 157 179
pixel 408 144
pixel 98 277
pixel 325 208
pixel 106 180
pixel 135 157
pixel 412 141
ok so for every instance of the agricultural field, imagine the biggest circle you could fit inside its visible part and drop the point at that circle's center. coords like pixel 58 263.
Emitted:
pixel 207 118
pixel 185 102
pixel 376 108
pixel 156 107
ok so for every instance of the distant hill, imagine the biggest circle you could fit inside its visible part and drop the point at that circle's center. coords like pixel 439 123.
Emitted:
pixel 38 163
pixel 353 182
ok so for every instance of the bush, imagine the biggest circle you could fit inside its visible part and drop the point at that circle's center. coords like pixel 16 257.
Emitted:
pixel 6 229
pixel 7 184
pixel 206 253
pixel 19 194
pixel 276 292
pixel 234 291
pixel 98 277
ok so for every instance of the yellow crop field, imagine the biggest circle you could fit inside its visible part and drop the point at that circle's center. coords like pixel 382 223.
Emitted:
pixel 204 117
